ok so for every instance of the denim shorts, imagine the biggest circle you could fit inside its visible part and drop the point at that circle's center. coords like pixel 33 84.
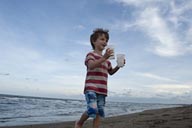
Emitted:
pixel 95 104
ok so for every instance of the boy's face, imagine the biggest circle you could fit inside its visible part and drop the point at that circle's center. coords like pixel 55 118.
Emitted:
pixel 100 43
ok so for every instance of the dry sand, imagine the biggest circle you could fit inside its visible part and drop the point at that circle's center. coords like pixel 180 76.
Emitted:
pixel 178 117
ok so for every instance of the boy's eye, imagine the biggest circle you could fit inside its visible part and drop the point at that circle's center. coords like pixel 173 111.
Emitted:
pixel 103 39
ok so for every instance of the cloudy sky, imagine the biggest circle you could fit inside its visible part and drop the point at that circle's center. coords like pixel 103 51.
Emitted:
pixel 43 46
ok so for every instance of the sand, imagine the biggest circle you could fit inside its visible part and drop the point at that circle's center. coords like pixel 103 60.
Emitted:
pixel 178 117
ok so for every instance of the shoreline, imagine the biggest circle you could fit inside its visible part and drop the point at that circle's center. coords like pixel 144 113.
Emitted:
pixel 176 117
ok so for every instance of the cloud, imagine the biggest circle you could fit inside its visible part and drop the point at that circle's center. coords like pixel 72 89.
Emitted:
pixel 79 27
pixel 137 2
pixel 164 40
pixel 166 24
pixel 180 8
pixel 172 89
pixel 4 74
pixel 83 43
pixel 154 76
pixel 165 93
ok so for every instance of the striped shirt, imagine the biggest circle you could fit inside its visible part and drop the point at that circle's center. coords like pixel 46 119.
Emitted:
pixel 96 79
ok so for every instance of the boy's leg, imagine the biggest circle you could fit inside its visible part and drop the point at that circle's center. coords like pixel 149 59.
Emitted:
pixel 91 99
pixel 96 121
pixel 83 118
pixel 101 113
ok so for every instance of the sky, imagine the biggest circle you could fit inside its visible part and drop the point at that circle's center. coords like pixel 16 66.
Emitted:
pixel 43 44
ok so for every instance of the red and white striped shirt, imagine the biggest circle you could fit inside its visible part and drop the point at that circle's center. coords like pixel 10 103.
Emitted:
pixel 96 79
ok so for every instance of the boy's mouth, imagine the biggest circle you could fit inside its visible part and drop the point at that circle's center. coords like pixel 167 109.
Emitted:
pixel 104 46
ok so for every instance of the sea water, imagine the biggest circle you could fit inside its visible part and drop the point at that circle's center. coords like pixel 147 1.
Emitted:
pixel 21 110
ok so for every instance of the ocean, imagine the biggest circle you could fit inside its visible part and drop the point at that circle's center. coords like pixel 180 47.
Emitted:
pixel 23 110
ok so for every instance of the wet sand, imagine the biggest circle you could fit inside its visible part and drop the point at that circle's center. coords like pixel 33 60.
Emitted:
pixel 178 117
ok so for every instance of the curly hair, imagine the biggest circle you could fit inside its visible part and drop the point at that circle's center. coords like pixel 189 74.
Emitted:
pixel 96 33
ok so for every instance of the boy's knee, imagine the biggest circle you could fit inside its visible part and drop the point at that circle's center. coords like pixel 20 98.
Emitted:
pixel 92 112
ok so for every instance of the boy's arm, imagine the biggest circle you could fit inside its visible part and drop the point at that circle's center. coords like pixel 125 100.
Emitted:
pixel 113 70
pixel 96 63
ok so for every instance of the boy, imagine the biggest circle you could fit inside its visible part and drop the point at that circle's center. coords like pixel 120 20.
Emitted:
pixel 98 68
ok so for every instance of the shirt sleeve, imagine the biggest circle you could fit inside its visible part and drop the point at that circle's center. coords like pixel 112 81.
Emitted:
pixel 88 58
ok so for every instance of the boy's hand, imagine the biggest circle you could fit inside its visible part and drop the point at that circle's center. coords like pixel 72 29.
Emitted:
pixel 108 53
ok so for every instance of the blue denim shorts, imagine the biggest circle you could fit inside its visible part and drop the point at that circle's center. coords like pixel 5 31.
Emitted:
pixel 95 104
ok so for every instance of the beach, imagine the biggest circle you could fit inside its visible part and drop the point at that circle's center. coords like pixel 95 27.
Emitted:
pixel 177 117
